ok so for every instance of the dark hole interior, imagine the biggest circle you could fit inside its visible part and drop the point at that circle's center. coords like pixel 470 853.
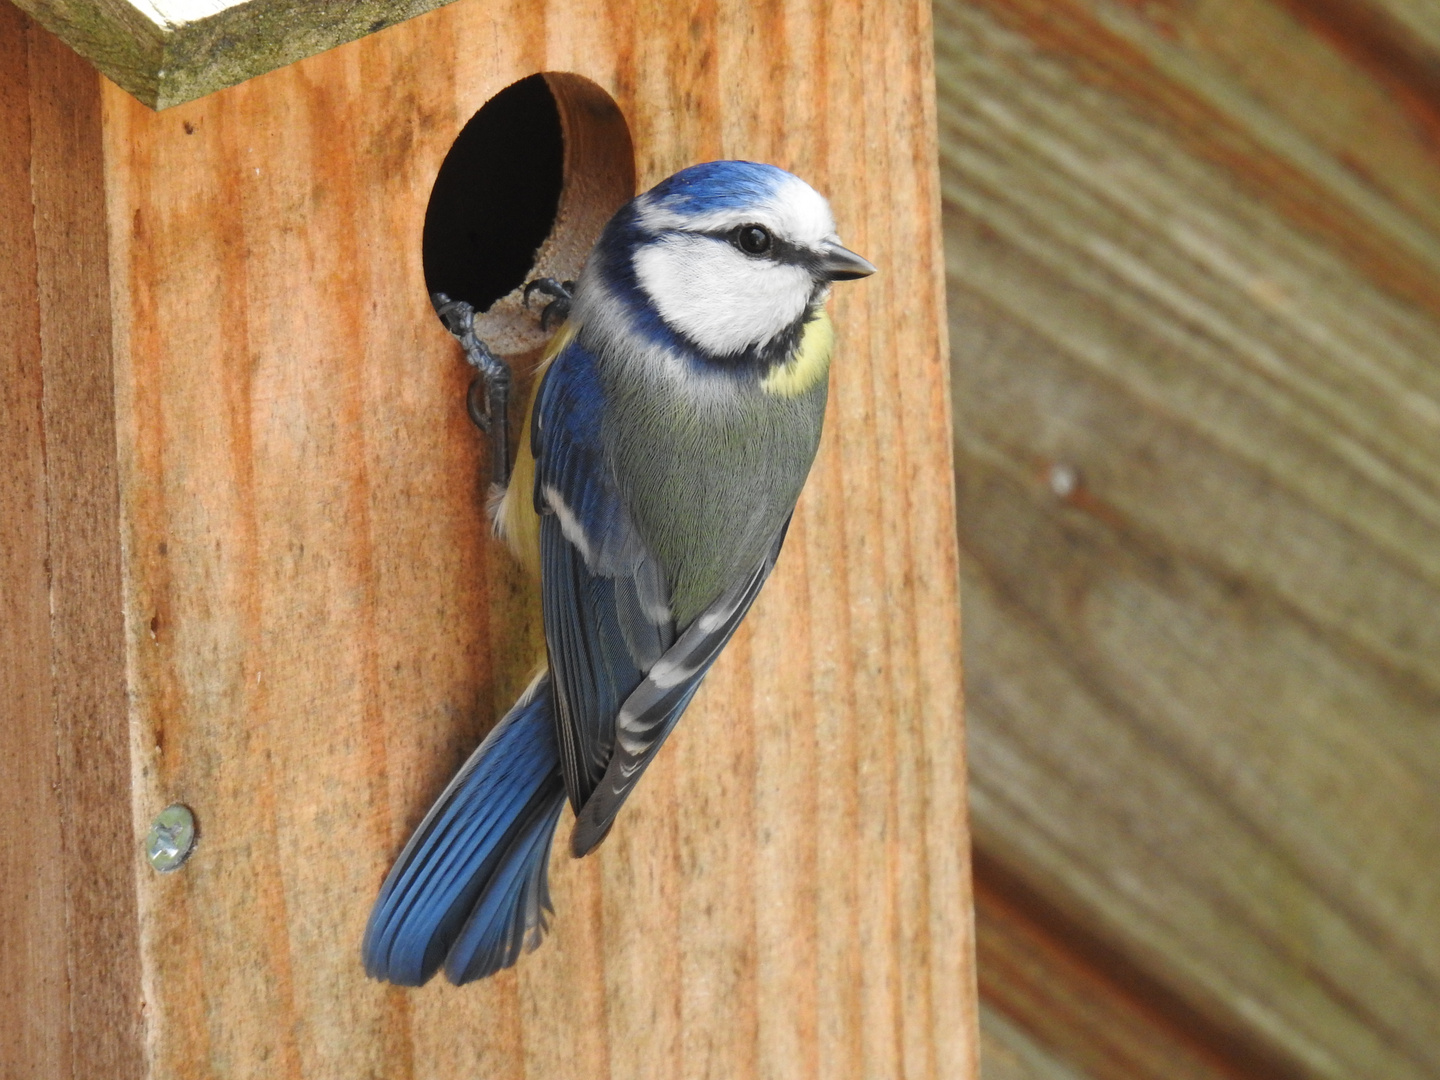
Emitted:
pixel 495 199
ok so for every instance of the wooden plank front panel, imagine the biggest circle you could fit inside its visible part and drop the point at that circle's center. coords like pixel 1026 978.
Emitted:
pixel 1193 253
pixel 320 628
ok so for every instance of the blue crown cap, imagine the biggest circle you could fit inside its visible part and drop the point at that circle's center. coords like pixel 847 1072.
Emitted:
pixel 718 185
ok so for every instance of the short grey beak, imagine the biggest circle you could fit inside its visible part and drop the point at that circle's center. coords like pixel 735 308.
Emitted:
pixel 841 264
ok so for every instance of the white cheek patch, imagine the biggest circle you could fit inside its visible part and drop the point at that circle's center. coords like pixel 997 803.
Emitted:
pixel 720 298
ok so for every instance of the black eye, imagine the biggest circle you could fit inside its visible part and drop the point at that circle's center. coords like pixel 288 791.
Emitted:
pixel 751 239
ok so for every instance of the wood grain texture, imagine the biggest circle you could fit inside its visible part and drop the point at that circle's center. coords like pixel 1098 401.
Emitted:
pixel 1008 1051
pixel 113 35
pixel 1413 19
pixel 1192 251
pixel 33 1003
pixel 1078 1002
pixel 71 949
pixel 319 629
pixel 1398 41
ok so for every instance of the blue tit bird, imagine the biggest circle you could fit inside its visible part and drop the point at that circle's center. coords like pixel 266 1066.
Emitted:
pixel 676 419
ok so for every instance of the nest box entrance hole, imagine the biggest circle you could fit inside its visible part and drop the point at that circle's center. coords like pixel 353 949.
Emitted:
pixel 523 193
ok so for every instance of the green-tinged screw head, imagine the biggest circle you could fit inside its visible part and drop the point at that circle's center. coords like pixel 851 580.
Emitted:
pixel 171 838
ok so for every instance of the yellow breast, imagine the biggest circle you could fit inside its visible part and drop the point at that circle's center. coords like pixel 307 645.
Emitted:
pixel 808 365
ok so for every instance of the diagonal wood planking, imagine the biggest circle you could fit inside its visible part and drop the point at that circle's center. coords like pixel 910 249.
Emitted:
pixel 1048 984
pixel 319 629
pixel 1009 1052
pixel 1192 253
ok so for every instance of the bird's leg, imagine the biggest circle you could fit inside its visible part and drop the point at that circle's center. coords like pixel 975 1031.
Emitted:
pixel 560 292
pixel 489 394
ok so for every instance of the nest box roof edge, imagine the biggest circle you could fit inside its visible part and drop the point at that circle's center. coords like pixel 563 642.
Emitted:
pixel 167 52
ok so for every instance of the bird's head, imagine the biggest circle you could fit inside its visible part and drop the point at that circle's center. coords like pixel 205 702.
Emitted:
pixel 731 254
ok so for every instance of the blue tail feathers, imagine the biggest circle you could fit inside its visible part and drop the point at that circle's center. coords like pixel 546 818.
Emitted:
pixel 470 889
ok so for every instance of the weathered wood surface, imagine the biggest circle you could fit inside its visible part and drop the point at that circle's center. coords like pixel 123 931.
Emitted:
pixel 1051 990
pixel 70 996
pixel 33 1002
pixel 165 55
pixel 1010 1052
pixel 317 627
pixel 1397 40
pixel 1193 255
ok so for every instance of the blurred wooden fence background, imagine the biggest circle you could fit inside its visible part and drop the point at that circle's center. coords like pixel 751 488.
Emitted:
pixel 1193 250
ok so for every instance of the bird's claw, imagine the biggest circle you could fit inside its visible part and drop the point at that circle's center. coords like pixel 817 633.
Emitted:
pixel 560 293
pixel 488 398
pixel 487 401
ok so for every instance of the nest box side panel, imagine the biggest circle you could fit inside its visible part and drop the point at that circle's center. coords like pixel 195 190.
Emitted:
pixel 70 993
pixel 320 628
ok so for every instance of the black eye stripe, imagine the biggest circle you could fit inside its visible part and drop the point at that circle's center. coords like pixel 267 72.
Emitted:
pixel 781 250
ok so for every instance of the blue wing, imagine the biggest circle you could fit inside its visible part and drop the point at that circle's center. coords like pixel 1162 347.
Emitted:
pixel 622 671
pixel 605 602
pixel 652 708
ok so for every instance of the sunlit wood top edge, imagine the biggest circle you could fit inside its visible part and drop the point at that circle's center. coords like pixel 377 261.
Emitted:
pixel 167 52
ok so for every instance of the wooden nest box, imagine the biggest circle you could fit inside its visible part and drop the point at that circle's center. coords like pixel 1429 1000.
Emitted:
pixel 246 566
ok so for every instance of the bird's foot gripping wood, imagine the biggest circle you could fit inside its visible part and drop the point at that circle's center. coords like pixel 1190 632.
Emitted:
pixel 560 292
pixel 488 398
